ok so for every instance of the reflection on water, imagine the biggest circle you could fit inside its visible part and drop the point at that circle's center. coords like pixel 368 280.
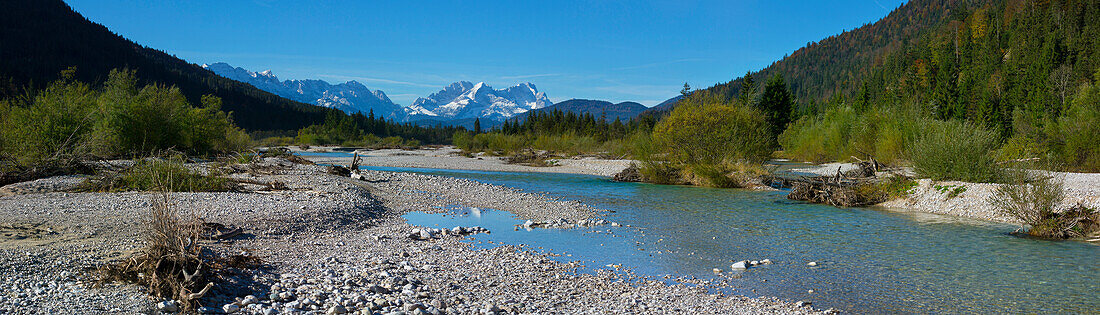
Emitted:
pixel 870 261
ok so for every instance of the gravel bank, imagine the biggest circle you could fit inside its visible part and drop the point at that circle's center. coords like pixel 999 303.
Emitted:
pixel 448 158
pixel 973 201
pixel 331 245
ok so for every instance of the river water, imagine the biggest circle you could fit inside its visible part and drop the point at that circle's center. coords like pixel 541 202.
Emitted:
pixel 869 260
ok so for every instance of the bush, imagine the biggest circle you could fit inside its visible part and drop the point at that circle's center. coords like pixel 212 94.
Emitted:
pixel 71 121
pixel 1032 197
pixel 713 133
pixel 1079 132
pixel 842 132
pixel 956 150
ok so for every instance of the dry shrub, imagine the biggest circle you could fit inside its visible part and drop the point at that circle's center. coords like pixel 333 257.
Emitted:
pixel 171 265
pixel 1032 197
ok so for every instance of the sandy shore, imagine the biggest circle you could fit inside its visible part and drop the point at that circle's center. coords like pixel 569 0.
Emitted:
pixel 973 201
pixel 331 244
pixel 448 158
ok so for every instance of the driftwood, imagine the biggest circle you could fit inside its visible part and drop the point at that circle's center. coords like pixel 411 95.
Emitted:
pixel 268 186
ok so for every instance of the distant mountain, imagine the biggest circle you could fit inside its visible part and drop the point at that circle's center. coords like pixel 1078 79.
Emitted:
pixel 40 38
pixel 466 101
pixel 350 97
pixel 624 111
pixel 665 106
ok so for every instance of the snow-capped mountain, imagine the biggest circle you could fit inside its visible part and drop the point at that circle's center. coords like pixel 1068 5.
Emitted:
pixel 465 100
pixel 350 97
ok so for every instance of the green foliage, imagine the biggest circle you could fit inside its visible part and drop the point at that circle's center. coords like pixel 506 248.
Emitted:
pixel 712 133
pixel 955 150
pixel 951 191
pixel 777 103
pixel 842 132
pixel 358 130
pixel 70 121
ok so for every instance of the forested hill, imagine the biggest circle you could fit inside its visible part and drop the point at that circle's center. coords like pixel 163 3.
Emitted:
pixel 624 111
pixel 40 38
pixel 978 60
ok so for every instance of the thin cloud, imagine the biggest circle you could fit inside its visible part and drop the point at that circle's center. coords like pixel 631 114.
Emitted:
pixel 375 80
pixel 658 64
pixel 529 76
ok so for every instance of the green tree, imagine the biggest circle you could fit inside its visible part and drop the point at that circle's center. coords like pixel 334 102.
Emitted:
pixel 776 103
pixel 477 125
pixel 686 90
pixel 747 94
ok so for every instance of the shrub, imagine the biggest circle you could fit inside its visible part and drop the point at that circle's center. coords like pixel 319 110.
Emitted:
pixel 955 150
pixel 171 265
pixel 1079 131
pixel 842 132
pixel 713 133
pixel 1032 197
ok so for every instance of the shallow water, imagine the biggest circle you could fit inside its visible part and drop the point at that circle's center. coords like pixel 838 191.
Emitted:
pixel 870 261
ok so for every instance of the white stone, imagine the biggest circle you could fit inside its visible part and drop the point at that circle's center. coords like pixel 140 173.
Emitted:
pixel 812 263
pixel 231 308
pixel 740 265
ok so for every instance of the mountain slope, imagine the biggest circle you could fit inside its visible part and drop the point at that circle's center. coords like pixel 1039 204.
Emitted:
pixel 350 97
pixel 980 60
pixel 466 101
pixel 624 111
pixel 39 39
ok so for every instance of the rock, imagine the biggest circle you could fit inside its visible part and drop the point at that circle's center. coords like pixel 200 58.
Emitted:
pixel 338 309
pixel 812 263
pixel 740 265
pixel 716 270
pixel 248 300
pixel 207 310
pixel 270 311
pixel 424 234
pixel 168 306
pixel 528 224
pixel 231 308
pixel 754 263
pixel 766 261
pixel 802 303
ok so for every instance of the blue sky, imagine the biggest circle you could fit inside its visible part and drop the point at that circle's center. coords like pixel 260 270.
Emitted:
pixel 611 50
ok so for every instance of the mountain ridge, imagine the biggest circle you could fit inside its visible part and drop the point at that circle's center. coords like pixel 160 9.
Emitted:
pixel 350 97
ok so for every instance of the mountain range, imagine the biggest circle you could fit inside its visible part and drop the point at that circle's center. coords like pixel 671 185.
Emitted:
pixel 457 104
pixel 350 97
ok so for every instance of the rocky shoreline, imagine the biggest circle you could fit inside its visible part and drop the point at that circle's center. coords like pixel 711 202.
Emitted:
pixel 450 158
pixel 329 245
pixel 971 200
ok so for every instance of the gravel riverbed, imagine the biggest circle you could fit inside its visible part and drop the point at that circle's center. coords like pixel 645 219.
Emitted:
pixel 330 245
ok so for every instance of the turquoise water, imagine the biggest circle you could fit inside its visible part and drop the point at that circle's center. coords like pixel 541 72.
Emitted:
pixel 870 261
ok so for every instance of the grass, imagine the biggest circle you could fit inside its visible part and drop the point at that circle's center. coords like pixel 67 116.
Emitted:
pixel 152 174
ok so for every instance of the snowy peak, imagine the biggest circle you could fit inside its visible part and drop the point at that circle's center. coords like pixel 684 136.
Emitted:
pixel 351 97
pixel 466 100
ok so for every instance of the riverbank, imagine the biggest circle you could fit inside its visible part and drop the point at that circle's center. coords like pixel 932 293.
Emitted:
pixel 450 158
pixel 971 200
pixel 325 241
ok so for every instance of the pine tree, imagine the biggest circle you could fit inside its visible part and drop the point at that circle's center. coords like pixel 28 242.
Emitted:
pixel 477 125
pixel 776 103
pixel 748 88
pixel 686 90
